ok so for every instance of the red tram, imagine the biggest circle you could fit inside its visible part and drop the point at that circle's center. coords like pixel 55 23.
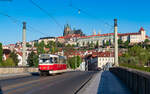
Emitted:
pixel 51 64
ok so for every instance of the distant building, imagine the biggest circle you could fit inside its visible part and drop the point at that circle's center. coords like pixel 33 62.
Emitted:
pixel 68 30
pixel 46 39
pixel 94 39
pixel 134 37
pixel 6 53
pixel 102 38
pixel 99 60
pixel 20 58
pixel 69 39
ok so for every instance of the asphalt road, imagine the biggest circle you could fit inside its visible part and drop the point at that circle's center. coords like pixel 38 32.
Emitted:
pixel 66 83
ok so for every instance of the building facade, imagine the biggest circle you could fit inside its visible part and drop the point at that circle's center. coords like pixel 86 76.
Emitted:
pixel 68 31
pixel 101 39
pixel 46 39
pixel 94 39
pixel 100 60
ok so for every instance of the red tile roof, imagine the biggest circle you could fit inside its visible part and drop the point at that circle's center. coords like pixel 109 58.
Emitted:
pixel 126 34
pixel 70 36
pixel 142 29
pixel 20 53
pixel 119 34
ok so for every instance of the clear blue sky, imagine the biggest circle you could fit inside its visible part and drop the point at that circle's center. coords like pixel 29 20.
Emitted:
pixel 131 15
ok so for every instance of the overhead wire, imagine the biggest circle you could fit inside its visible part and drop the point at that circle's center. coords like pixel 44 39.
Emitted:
pixel 88 14
pixel 18 22
pixel 47 13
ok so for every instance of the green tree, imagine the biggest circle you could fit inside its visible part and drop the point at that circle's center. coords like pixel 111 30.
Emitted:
pixel 107 43
pixel 14 57
pixel 91 44
pixel 126 44
pixel 88 44
pixel 40 48
pixel 74 62
pixel 1 52
pixel 120 41
pixel 53 46
pixel 135 55
pixel 28 45
pixel 146 41
pixel 36 44
pixel 97 44
pixel 32 59
pixel 83 44
pixel 145 44
pixel 8 63
pixel 77 45
pixel 60 44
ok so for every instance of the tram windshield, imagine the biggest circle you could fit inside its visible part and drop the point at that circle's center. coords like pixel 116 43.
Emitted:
pixel 46 60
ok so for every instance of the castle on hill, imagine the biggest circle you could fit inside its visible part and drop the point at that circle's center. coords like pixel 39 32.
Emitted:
pixel 68 31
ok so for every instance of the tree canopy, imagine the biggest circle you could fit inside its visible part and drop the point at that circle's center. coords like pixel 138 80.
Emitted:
pixel 74 62
pixel 32 59
pixel 14 57
pixel 136 55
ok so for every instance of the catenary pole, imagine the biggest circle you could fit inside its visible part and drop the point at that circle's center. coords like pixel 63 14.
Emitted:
pixel 24 44
pixel 116 42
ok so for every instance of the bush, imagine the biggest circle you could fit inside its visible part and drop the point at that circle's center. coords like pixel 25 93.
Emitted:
pixel 8 63
pixel 147 69
pixel 14 56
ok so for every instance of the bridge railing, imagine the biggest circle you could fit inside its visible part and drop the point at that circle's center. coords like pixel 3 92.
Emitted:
pixel 137 81
pixel 12 70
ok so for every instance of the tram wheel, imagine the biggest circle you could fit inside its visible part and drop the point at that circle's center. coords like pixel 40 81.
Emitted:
pixel 41 73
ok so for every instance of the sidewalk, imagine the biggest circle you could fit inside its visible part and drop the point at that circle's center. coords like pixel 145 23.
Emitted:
pixel 105 83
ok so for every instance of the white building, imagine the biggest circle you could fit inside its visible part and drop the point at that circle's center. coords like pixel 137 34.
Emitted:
pixel 102 38
pixel 46 39
pixel 100 60
pixel 105 60
pixel 134 37
pixel 20 59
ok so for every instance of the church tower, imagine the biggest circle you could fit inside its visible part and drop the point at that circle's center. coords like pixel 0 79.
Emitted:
pixel 143 34
pixel 67 30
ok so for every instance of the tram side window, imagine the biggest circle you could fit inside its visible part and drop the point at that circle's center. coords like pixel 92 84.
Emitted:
pixel 55 60
pixel 51 60
pixel 64 61
pixel 61 61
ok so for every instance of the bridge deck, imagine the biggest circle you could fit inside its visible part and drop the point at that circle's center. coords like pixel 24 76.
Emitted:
pixel 105 83
pixel 110 84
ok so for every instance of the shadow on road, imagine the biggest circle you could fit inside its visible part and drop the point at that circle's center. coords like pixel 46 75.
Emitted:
pixel 35 74
pixel 1 92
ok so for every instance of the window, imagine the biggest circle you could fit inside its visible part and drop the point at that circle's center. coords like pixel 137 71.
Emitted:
pixel 55 60
pixel 51 60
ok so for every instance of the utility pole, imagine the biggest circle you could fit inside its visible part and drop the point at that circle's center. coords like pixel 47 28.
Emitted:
pixel 24 44
pixel 75 59
pixel 116 42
